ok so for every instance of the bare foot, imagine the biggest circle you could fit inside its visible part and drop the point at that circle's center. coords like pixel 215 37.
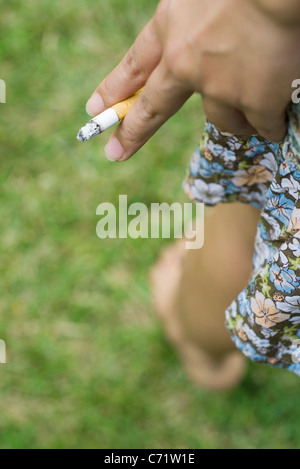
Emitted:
pixel 220 374
pixel 204 369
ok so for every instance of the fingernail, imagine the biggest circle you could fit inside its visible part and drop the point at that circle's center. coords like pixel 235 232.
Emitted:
pixel 114 150
pixel 95 105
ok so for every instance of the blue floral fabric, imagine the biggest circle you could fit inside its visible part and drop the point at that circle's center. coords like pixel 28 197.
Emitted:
pixel 264 320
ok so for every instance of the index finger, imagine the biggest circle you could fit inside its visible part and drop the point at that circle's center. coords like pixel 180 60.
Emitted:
pixel 161 98
pixel 130 74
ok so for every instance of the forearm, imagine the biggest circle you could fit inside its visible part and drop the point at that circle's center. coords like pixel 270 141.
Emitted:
pixel 286 12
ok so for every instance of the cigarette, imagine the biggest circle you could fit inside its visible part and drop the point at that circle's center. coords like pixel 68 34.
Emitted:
pixel 107 119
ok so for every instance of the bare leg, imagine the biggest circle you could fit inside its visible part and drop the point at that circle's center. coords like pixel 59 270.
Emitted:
pixel 192 289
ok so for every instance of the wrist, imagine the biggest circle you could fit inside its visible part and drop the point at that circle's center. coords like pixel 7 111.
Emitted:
pixel 285 12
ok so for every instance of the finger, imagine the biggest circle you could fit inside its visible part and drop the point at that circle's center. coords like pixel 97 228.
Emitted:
pixel 162 97
pixel 226 118
pixel 130 74
pixel 270 125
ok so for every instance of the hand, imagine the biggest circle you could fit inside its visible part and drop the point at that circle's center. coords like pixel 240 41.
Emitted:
pixel 240 59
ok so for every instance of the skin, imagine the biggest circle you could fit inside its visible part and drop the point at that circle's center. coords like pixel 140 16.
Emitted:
pixel 241 56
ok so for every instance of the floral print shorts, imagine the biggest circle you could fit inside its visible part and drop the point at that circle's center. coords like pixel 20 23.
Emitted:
pixel 264 320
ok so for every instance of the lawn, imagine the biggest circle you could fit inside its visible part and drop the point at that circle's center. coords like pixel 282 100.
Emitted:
pixel 88 363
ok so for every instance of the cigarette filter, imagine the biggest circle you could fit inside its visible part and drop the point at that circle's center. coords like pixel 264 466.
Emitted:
pixel 107 119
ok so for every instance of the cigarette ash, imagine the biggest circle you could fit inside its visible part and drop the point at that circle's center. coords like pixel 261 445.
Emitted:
pixel 90 130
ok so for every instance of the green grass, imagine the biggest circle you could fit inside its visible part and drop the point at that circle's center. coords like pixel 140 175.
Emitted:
pixel 88 364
